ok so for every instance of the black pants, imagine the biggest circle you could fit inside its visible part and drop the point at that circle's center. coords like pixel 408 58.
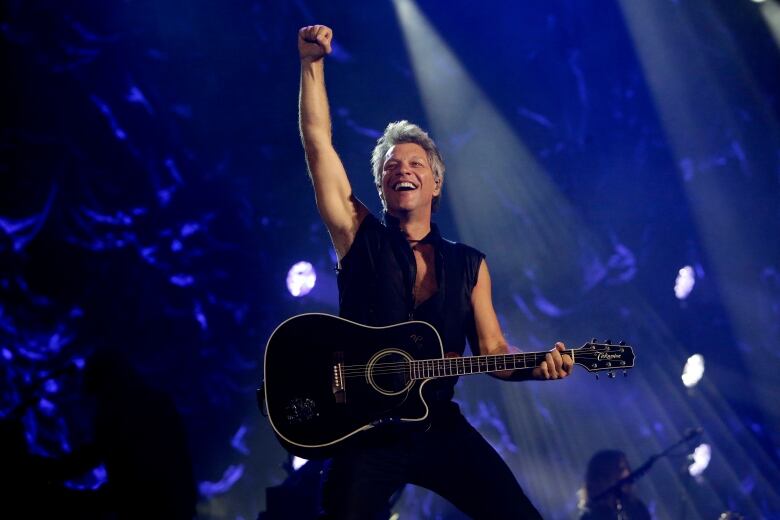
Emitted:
pixel 451 459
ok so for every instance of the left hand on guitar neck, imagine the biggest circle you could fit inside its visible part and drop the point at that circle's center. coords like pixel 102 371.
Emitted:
pixel 554 366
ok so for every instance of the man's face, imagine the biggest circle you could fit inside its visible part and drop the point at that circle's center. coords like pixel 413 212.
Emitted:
pixel 407 179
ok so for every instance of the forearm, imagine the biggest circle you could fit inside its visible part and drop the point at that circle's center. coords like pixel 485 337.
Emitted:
pixel 491 339
pixel 313 111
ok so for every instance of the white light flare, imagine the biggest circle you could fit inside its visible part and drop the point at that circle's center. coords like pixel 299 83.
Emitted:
pixel 683 285
pixel 701 459
pixel 297 463
pixel 300 279
pixel 693 370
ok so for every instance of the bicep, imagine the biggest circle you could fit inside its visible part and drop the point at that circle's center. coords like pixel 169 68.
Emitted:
pixel 491 339
pixel 340 210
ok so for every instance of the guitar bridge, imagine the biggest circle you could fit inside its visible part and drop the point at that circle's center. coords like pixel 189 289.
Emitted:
pixel 337 382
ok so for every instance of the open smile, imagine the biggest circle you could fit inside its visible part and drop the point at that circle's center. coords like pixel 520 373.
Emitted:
pixel 404 186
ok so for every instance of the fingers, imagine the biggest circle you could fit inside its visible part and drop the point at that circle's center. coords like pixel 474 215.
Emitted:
pixel 567 364
pixel 555 365
pixel 568 361
pixel 553 360
pixel 544 372
pixel 319 34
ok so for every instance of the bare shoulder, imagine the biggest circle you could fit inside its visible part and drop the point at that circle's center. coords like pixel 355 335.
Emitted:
pixel 344 236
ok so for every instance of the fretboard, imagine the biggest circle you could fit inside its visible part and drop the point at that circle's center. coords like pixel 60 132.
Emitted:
pixel 458 366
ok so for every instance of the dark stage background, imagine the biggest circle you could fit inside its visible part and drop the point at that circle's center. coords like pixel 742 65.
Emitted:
pixel 153 196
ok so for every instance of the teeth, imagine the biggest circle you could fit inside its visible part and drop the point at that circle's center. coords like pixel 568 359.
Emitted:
pixel 402 185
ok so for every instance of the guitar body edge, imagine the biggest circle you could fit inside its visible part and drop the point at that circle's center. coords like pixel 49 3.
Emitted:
pixel 328 378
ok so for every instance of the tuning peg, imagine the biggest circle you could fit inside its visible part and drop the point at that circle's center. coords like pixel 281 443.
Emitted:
pixel 597 377
pixel 622 343
pixel 625 373
pixel 608 342
pixel 594 340
pixel 611 375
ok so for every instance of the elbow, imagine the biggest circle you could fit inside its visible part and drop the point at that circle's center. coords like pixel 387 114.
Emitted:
pixel 316 141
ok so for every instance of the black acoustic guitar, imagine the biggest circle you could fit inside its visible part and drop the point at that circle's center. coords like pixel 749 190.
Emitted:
pixel 327 378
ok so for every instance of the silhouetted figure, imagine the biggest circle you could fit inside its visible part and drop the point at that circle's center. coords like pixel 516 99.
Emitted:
pixel 141 440
pixel 25 490
pixel 605 469
pixel 29 486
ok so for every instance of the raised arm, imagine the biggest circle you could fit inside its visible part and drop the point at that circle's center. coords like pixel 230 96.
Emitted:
pixel 492 341
pixel 341 212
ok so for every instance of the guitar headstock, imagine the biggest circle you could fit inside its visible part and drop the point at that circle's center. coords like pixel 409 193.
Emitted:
pixel 596 356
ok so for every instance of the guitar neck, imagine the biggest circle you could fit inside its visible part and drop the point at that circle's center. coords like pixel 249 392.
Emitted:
pixel 459 366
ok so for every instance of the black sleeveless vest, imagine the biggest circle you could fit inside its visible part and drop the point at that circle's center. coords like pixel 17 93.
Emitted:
pixel 376 283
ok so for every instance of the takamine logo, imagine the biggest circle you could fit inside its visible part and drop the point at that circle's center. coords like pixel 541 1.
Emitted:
pixel 417 340
pixel 606 357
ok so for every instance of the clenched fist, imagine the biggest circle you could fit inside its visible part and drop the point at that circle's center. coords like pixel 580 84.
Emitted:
pixel 314 42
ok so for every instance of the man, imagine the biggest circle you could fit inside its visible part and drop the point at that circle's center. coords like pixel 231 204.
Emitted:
pixel 396 271
pixel 598 499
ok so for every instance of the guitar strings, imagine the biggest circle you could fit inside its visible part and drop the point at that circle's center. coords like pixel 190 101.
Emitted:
pixel 464 361
pixel 421 365
pixel 467 360
pixel 444 365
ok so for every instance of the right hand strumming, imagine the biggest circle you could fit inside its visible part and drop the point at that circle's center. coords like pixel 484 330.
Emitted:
pixel 314 42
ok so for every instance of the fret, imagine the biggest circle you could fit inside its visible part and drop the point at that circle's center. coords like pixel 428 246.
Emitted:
pixel 465 365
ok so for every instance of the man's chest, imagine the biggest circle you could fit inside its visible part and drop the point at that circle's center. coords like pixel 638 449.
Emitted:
pixel 425 280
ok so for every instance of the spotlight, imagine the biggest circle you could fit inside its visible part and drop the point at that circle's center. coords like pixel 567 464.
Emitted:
pixel 683 285
pixel 301 278
pixel 693 370
pixel 701 459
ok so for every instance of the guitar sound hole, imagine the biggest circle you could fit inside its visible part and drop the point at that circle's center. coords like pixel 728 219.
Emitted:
pixel 389 372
